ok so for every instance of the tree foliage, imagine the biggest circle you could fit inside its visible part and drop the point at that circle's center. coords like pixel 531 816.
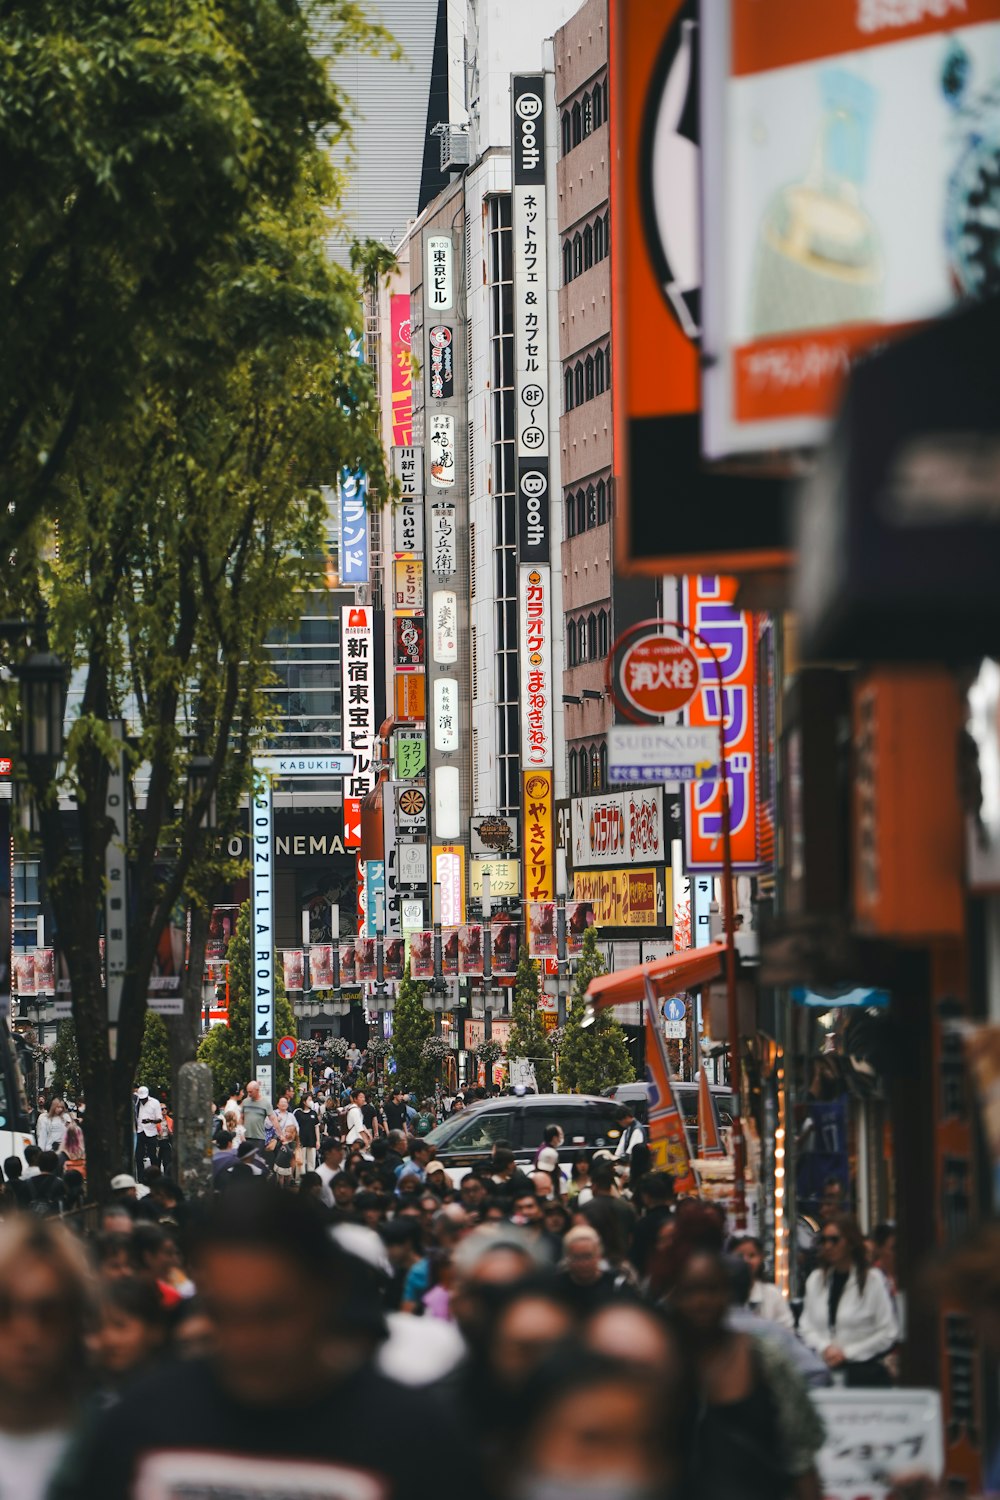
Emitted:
pixel 154 1059
pixel 411 1026
pixel 66 1062
pixel 177 384
pixel 592 1058
pixel 228 1050
pixel 528 1037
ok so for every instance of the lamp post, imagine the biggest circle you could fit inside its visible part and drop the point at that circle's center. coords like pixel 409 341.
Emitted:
pixel 201 793
pixel 44 680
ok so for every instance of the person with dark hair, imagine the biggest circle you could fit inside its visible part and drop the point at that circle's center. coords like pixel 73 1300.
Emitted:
pixel 764 1298
pixel 132 1329
pixel 751 1430
pixel 656 1194
pixel 287 1395
pixel 509 1181
pixel 112 1254
pixel 16 1186
pixel 155 1258
pixel 884 1255
pixel 48 1191
pixel 605 1191
pixel 847 1315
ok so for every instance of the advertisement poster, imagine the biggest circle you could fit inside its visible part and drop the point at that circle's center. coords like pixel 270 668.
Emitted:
pixel 619 828
pixel 539 848
pixel 445 714
pixel 348 964
pixel 411 697
pixel 353 528
pixel 442 371
pixel 443 556
pixel 409 582
pixel 849 153
pixel 367 960
pixel 470 951
pixel 408 638
pixel 579 916
pixel 402 370
pixel 442 450
pixel 449 952
pixel 293 966
pixel 440 293
pixel 321 966
pixel 624 898
pixel 505 879
pixel 542 931
pixel 358 685
pixel 407 521
pixel 448 879
pixel 444 618
pixel 394 959
pixel 422 955
pixel 531 360
pixel 707 606
pixel 505 936
pixel 493 834
pixel 410 750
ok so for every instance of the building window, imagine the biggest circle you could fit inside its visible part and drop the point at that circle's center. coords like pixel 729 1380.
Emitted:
pixel 581 512
pixel 598 239
pixel 599 371
pixel 607 233
pixel 574 790
pixel 598 105
pixel 588 115
pixel 578 384
pixel 591 507
pixel 604 97
pixel 604 767
pixel 584 762
pixel 602 634
pixel 591 637
pixel 577 113
pixel 567 263
pixel 577 254
pixel 568 390
pixel 588 248
pixel 588 378
pixel 581 640
pixel 566 138
pixel 602 502
pixel 571 645
pixel 570 515
pixel 595 768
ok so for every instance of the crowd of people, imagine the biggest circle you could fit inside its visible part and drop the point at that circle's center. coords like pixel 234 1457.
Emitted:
pixel 345 1311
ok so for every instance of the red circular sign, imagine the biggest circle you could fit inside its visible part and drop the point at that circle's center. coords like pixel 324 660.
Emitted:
pixel 659 675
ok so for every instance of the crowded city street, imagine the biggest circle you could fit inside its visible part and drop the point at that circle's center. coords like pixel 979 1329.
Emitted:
pixel 500 749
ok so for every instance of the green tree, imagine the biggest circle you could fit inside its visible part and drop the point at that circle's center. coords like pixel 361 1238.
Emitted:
pixel 411 1026
pixel 153 1068
pixel 228 1050
pixel 528 1037
pixel 66 1062
pixel 594 1057
pixel 177 378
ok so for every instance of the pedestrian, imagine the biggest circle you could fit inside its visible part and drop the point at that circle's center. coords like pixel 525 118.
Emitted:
pixel 132 1330
pixel 765 1298
pixel 473 1194
pixel 751 1430
pixel 307 1119
pixel 395 1109
pixel 332 1154
pixel 585 1278
pixel 415 1166
pixel 656 1195
pixel 356 1128
pixel 48 1190
pixel 148 1129
pixel 286 1137
pixel 847 1315
pixel 46 1295
pixel 257 1111
pixel 253 1417
pixel 633 1134
pixel 579 1189
pixel 50 1132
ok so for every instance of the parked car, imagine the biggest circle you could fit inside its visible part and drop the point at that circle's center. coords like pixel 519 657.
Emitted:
pixel 588 1122
pixel 686 1094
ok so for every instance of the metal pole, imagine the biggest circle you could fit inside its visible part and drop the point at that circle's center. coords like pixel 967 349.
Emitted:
pixel 487 960
pixel 732 1010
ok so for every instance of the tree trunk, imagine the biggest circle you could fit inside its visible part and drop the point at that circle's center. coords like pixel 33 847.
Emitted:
pixel 183 1032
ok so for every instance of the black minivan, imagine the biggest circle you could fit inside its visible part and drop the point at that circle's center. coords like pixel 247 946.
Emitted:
pixel 588 1123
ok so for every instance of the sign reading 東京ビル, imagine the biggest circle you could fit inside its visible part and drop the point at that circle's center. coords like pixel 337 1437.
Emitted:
pixel 531 375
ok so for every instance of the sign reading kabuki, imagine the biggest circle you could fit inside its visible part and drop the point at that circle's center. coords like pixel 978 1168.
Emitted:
pixel 708 608
pixel 439 293
pixel 531 375
pixel 536 668
pixel 353 528
pixel 358 670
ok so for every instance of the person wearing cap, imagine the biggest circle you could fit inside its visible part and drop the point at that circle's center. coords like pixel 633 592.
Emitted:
pixel 149 1128
pixel 124 1186
pixel 552 1139
pixel 436 1178
pixel 288 1398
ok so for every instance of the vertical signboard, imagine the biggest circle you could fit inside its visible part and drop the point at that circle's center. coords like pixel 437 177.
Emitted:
pixel 539 848
pixel 531 357
pixel 353 528
pixel 536 667
pixel 439 288
pixel 443 553
pixel 448 869
pixel 708 608
pixel 402 369
pixel 262 892
pixel 115 877
pixel 358 706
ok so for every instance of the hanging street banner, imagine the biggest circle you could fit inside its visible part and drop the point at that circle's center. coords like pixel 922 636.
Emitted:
pixel 402 370
pixel 667 1137
pixel 353 528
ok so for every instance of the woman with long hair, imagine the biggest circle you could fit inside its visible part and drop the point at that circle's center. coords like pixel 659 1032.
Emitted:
pixel 848 1316
pixel 765 1299
pixel 51 1129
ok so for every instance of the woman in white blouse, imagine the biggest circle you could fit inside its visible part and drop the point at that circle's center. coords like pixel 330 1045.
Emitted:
pixel 848 1316
pixel 50 1132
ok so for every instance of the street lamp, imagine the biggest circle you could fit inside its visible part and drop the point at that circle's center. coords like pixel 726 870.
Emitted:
pixel 199 777
pixel 44 680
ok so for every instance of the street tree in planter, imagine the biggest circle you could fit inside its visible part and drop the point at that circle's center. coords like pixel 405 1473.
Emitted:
pixel 228 1050
pixel 163 534
pixel 591 1058
pixel 411 1026
pixel 528 1037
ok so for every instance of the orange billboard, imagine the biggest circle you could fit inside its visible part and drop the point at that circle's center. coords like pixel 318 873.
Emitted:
pixel 411 698
pixel 679 514
pixel 539 845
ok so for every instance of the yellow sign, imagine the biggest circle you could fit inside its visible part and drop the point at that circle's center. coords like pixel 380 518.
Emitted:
pixel 626 898
pixel 539 851
pixel 448 879
pixel 505 878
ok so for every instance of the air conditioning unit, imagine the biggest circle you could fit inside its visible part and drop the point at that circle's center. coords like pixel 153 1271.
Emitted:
pixel 456 146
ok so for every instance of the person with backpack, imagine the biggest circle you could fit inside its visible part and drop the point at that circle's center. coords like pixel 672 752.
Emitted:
pixel 48 1191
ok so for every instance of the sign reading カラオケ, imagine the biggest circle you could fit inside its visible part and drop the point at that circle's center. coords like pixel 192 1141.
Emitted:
pixel 536 667
pixel 619 828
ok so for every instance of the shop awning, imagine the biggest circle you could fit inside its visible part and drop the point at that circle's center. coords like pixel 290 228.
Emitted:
pixel 669 976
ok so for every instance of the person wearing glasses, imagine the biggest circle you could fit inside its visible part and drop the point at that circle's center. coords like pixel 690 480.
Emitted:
pixel 848 1316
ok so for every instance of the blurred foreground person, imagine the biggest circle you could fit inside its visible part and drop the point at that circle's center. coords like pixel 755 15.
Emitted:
pixel 45 1289
pixel 287 1401
pixel 132 1330
pixel 752 1431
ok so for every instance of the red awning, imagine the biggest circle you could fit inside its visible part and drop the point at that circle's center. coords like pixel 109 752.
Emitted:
pixel 671 976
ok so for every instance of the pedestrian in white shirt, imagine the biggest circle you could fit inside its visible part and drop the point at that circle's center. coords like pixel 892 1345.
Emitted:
pixel 764 1299
pixel 848 1316
pixel 332 1164
pixel 51 1129
pixel 149 1128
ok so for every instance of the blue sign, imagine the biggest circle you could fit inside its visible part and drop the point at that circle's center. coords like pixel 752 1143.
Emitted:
pixel 675 1010
pixel 287 1047
pixel 848 999
pixel 374 888
pixel 353 527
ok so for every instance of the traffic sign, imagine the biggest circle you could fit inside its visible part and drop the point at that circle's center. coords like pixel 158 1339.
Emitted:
pixel 658 675
pixel 662 754
pixel 352 822
pixel 675 1010
pixel 675 1031
pixel 287 1048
